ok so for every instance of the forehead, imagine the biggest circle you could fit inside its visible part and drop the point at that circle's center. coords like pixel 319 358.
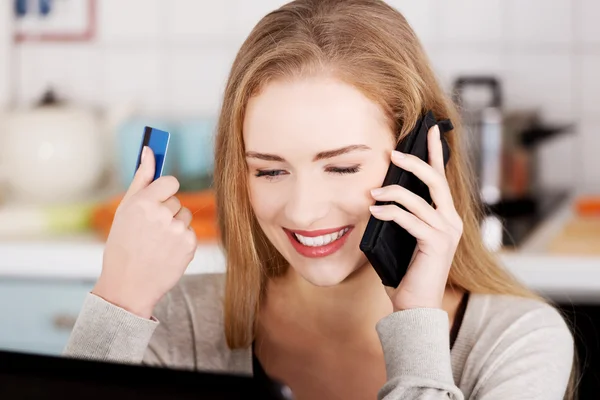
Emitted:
pixel 320 112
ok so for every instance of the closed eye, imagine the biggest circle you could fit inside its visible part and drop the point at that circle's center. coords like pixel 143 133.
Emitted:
pixel 342 171
pixel 269 173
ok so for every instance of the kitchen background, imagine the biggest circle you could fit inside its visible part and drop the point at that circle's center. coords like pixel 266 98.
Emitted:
pixel 79 79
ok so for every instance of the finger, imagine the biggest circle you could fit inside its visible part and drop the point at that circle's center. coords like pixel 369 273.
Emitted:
pixel 437 183
pixel 436 153
pixel 163 188
pixel 173 204
pixel 412 202
pixel 184 215
pixel 413 225
pixel 144 174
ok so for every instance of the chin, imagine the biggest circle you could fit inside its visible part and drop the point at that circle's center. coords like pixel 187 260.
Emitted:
pixel 328 272
pixel 325 275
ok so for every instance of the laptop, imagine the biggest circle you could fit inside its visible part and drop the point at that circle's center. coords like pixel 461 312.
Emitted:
pixel 32 376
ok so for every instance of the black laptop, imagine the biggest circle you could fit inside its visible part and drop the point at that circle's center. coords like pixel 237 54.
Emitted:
pixel 31 376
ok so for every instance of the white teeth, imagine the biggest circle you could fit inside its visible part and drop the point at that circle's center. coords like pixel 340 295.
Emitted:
pixel 320 240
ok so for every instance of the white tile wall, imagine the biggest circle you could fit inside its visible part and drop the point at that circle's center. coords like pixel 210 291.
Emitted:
pixel 590 84
pixel 534 22
pixel 587 14
pixel 452 63
pixel 173 58
pixel 590 144
pixel 134 76
pixel 421 16
pixel 120 20
pixel 72 70
pixel 561 163
pixel 541 80
pixel 5 52
pixel 196 81
pixel 189 19
pixel 471 21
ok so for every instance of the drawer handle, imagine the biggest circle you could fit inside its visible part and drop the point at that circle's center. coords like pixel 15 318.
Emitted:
pixel 64 321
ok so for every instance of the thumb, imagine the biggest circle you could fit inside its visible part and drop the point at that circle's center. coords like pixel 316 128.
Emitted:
pixel 144 174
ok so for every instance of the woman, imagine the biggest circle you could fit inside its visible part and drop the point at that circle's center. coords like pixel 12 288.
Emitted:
pixel 318 97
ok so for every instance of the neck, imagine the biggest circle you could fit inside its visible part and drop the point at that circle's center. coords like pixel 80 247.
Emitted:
pixel 343 311
pixel 346 310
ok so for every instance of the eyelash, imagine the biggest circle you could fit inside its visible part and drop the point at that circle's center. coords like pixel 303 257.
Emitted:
pixel 273 173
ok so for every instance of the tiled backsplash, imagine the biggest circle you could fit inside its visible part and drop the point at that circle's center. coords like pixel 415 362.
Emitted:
pixel 5 18
pixel 172 57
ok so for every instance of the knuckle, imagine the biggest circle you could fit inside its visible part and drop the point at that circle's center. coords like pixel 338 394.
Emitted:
pixel 173 200
pixel 191 239
pixel 142 205
pixel 395 190
pixel 162 216
pixel 171 183
pixel 186 214
pixel 452 236
pixel 178 226
pixel 411 158
pixel 438 179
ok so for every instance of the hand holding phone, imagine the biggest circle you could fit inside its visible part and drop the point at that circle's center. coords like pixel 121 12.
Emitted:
pixel 150 243
pixel 414 229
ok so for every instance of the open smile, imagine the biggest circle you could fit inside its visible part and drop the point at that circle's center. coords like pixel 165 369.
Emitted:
pixel 319 243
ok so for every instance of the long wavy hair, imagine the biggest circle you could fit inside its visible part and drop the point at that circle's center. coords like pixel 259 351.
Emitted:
pixel 364 43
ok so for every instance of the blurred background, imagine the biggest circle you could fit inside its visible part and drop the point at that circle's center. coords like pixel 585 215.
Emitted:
pixel 79 80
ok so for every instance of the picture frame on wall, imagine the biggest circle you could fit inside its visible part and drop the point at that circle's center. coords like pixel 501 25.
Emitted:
pixel 55 20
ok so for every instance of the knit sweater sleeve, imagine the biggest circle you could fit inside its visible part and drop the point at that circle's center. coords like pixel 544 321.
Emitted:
pixel 530 358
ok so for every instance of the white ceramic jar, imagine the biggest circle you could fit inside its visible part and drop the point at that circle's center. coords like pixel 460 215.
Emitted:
pixel 51 154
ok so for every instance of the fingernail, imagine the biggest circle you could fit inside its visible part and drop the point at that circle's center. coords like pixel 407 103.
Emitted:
pixel 376 209
pixel 398 155
pixel 376 191
pixel 144 151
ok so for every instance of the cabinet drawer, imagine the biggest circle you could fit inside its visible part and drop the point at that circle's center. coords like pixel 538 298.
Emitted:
pixel 38 316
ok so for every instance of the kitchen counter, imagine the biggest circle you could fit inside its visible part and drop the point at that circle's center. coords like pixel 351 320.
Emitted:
pixel 561 276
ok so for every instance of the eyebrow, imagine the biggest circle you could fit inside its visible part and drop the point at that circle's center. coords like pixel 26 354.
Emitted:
pixel 320 156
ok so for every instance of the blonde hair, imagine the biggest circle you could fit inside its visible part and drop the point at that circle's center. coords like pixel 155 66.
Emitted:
pixel 371 46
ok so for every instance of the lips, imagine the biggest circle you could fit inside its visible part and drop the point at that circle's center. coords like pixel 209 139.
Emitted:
pixel 312 239
pixel 319 232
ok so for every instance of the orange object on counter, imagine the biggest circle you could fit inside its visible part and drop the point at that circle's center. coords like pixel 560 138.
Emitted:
pixel 588 205
pixel 202 204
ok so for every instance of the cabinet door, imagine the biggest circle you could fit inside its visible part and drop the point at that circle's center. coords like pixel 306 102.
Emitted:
pixel 38 316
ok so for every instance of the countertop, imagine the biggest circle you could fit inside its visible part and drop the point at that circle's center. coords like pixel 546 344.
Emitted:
pixel 561 276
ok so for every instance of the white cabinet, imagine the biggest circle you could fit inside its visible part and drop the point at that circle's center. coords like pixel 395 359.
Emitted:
pixel 38 315
pixel 5 50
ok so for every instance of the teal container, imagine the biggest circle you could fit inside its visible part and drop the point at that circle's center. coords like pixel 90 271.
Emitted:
pixel 194 143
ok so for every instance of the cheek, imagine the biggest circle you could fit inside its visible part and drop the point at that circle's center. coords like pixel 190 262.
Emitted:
pixel 357 195
pixel 264 203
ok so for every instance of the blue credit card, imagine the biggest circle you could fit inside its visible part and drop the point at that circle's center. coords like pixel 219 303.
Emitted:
pixel 158 141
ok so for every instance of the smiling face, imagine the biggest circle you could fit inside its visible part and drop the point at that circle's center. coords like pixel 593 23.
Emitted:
pixel 315 147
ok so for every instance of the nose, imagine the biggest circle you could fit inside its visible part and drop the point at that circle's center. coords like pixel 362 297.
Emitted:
pixel 308 202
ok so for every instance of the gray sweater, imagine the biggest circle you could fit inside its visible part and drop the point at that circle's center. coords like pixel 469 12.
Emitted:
pixel 506 348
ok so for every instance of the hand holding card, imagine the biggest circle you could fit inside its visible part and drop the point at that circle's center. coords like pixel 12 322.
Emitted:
pixel 150 243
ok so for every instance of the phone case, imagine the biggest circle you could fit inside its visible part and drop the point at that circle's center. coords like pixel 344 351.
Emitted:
pixel 389 247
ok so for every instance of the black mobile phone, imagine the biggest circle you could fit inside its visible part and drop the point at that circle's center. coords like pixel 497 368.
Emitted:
pixel 389 247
